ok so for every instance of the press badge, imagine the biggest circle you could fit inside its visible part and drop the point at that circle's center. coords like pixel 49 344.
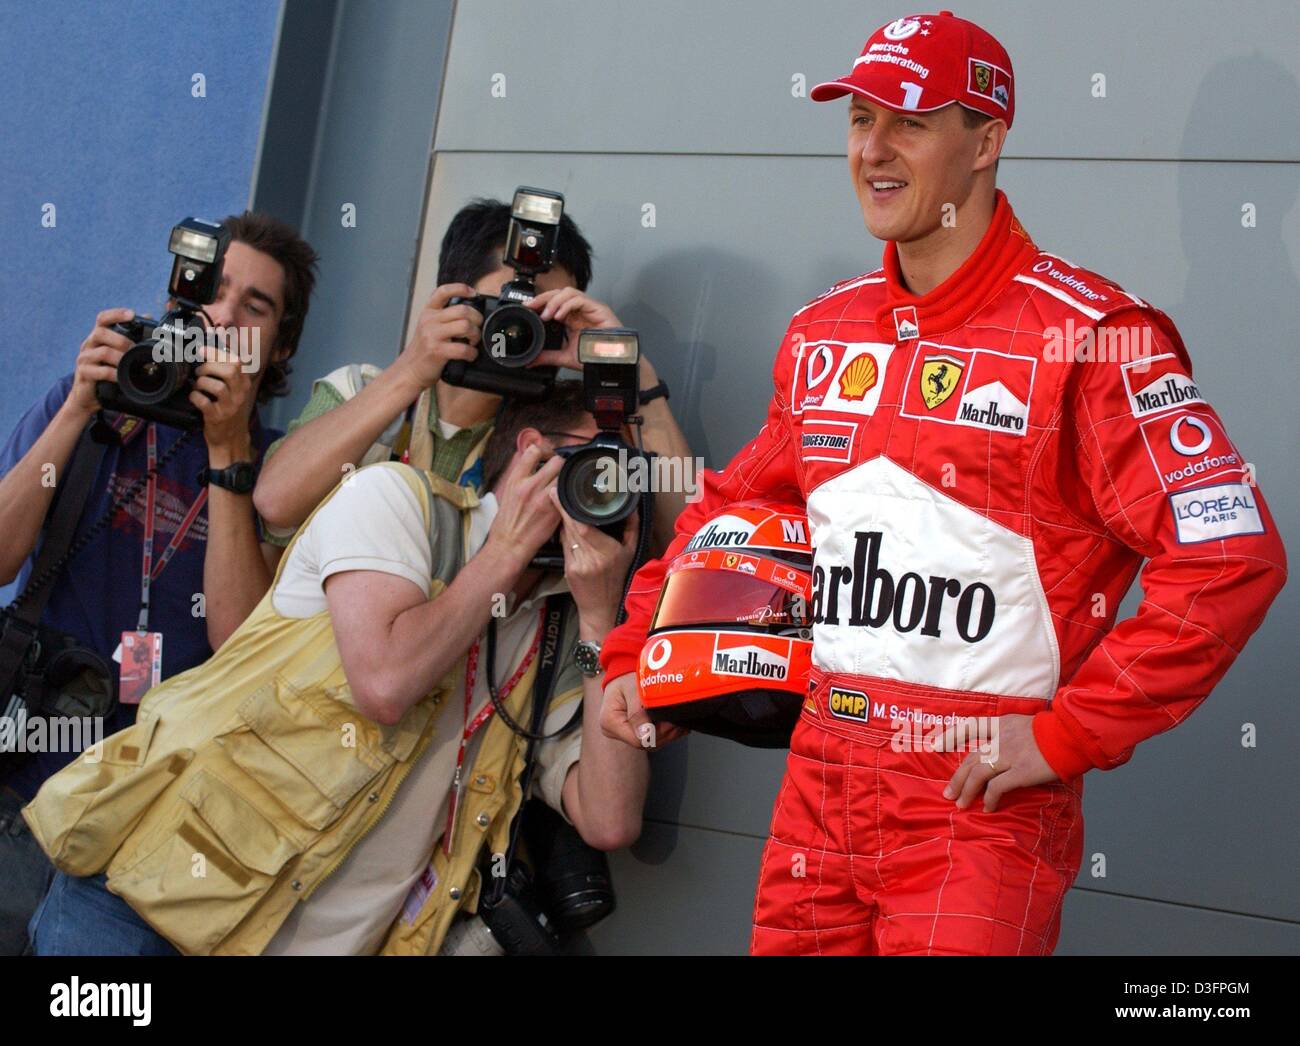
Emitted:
pixel 419 893
pixel 140 665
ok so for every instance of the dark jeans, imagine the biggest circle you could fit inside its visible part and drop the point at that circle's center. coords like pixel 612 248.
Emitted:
pixel 25 873
pixel 80 917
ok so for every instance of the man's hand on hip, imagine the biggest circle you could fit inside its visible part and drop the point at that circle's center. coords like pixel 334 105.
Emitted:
pixel 1009 759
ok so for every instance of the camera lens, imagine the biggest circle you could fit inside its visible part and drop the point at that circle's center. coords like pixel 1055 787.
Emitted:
pixel 513 335
pixel 594 489
pixel 148 381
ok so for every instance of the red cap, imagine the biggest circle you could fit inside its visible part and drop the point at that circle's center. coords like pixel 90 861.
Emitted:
pixel 923 62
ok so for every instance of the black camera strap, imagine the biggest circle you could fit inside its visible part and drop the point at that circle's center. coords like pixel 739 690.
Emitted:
pixel 24 614
pixel 557 612
pixel 553 621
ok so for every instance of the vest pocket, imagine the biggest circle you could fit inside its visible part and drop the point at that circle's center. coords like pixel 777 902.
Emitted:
pixel 82 815
pixel 208 873
pixel 312 758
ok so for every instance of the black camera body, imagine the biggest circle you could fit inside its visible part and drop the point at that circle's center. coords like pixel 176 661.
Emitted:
pixel 595 484
pixel 514 335
pixel 563 887
pixel 154 376
pixel 149 386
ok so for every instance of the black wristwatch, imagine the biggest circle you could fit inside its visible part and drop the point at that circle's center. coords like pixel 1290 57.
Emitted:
pixel 587 656
pixel 239 478
pixel 654 392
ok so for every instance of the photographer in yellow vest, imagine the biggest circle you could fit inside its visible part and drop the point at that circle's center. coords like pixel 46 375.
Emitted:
pixel 334 779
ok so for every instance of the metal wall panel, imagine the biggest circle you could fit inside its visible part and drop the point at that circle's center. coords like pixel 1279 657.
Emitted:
pixel 1101 924
pixel 1183 78
pixel 375 72
pixel 681 891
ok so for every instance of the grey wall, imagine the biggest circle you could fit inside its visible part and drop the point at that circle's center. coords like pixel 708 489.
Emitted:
pixel 350 120
pixel 688 106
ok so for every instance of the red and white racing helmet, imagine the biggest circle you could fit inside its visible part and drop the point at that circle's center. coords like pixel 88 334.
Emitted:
pixel 730 642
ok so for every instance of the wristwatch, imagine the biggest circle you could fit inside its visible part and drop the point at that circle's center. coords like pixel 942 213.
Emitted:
pixel 587 656
pixel 239 478
pixel 653 392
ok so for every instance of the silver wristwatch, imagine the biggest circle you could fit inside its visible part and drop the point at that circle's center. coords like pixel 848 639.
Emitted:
pixel 587 656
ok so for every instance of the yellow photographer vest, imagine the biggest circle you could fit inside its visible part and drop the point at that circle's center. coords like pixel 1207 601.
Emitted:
pixel 246 781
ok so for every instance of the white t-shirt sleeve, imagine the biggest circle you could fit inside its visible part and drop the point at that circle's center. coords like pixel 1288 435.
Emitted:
pixel 373 522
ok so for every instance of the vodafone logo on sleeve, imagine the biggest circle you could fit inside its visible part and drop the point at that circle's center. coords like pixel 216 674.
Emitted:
pixel 1190 448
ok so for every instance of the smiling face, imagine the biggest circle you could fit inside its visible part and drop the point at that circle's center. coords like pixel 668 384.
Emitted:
pixel 907 166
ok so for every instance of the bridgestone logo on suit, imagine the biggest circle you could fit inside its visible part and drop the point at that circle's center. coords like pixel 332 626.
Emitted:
pixel 818 439
pixel 876 599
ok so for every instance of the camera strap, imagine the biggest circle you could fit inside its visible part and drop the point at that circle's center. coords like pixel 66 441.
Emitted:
pixel 473 725
pixel 23 615
pixel 556 615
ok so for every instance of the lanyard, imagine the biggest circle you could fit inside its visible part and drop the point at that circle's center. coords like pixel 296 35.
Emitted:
pixel 148 572
pixel 472 726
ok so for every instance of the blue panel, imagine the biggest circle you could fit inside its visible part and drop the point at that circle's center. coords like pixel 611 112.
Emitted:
pixel 97 118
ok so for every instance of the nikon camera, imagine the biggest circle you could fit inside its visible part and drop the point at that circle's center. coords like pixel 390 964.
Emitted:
pixel 154 376
pixel 513 334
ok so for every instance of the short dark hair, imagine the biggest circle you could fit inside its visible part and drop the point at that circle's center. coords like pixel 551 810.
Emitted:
pixel 973 117
pixel 299 260
pixel 476 236
pixel 564 408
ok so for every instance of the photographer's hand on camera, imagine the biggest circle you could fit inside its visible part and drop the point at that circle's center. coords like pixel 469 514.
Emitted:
pixel 97 360
pixel 595 566
pixel 224 393
pixel 577 312
pixel 443 332
pixel 526 514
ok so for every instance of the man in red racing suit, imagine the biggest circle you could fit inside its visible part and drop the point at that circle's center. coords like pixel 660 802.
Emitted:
pixel 986 465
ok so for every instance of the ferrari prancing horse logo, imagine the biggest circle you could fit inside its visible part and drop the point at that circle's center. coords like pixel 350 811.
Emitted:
pixel 939 376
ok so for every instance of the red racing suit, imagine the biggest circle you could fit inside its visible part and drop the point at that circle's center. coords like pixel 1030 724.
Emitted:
pixel 985 468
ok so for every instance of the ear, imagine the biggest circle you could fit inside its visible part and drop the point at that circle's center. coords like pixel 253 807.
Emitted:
pixel 992 135
pixel 528 437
